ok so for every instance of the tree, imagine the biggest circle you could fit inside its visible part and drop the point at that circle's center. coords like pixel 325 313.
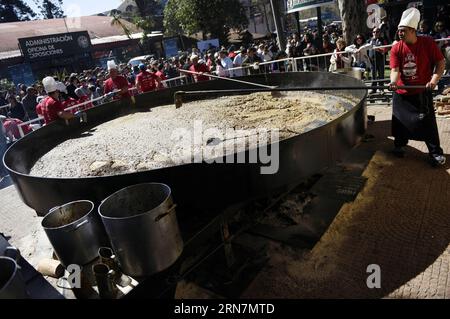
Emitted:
pixel 15 10
pixel 52 9
pixel 354 17
pixel 148 8
pixel 116 20
pixel 213 17
pixel 145 19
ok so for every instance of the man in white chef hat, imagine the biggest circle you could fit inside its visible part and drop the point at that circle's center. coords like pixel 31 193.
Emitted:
pixel 52 108
pixel 415 61
pixel 116 83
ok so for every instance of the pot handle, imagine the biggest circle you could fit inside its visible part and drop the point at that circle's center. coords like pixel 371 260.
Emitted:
pixel 170 210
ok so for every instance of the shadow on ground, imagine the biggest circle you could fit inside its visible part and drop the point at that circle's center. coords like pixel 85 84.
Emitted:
pixel 399 222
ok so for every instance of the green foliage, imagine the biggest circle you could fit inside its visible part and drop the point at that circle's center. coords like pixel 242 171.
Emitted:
pixel 213 17
pixel 6 85
pixel 145 24
pixel 116 20
pixel 148 8
pixel 51 9
pixel 61 75
pixel 15 10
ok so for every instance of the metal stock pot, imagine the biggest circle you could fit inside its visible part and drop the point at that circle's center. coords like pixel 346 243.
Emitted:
pixel 142 225
pixel 12 285
pixel 75 232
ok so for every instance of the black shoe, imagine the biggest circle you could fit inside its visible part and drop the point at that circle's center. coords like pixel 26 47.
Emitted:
pixel 437 160
pixel 399 152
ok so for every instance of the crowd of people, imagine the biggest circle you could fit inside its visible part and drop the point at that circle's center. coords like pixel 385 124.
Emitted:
pixel 79 92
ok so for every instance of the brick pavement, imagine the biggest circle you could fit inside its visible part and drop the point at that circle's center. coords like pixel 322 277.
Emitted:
pixel 400 221
pixel 434 281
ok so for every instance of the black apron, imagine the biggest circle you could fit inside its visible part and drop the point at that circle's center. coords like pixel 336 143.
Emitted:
pixel 414 118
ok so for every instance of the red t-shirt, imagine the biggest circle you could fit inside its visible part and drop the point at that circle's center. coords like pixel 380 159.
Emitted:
pixel 147 81
pixel 416 62
pixel 12 125
pixel 161 75
pixel 86 106
pixel 118 83
pixel 50 109
pixel 39 109
pixel 69 103
pixel 199 68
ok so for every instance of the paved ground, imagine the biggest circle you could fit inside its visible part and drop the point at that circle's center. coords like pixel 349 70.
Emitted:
pixel 22 227
pixel 401 221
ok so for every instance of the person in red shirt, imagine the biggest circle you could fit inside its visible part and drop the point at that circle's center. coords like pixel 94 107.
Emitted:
pixel 116 83
pixel 161 75
pixel 12 128
pixel 415 60
pixel 82 98
pixel 147 81
pixel 199 68
pixel 68 102
pixel 52 108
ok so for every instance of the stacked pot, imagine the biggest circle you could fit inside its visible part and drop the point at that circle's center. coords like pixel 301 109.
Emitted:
pixel 139 222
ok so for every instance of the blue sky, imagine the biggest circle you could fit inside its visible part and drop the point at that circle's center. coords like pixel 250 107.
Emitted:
pixel 74 8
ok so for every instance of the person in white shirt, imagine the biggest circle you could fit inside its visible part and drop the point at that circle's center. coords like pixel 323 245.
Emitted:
pixel 359 50
pixel 260 51
pixel 339 59
pixel 226 63
pixel 238 62
pixel 267 55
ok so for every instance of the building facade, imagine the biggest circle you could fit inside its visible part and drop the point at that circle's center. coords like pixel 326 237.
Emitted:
pixel 105 40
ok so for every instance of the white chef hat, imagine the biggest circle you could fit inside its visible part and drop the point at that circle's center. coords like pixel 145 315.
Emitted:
pixel 49 84
pixel 61 87
pixel 112 65
pixel 410 18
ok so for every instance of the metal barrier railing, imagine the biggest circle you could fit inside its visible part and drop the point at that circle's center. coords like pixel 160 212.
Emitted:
pixel 5 106
pixel 173 82
pixel 320 62
pixel 21 125
pixel 304 63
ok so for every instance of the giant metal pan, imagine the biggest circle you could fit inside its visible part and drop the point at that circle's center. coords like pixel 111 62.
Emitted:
pixel 195 186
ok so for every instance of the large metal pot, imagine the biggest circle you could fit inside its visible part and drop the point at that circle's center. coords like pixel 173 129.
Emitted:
pixel 12 285
pixel 75 232
pixel 142 225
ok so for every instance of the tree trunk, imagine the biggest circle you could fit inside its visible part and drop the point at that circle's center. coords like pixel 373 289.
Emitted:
pixel 354 17
pixel 276 11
